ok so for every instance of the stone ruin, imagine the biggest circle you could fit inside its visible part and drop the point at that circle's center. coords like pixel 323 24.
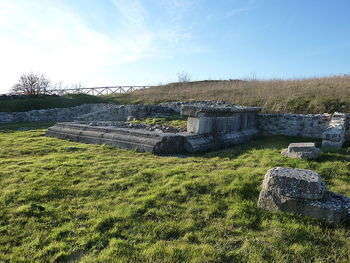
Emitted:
pixel 209 127
pixel 303 150
pixel 335 134
pixel 212 126
pixel 332 129
pixel 302 192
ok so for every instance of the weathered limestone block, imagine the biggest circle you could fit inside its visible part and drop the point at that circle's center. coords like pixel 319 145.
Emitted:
pixel 203 125
pixel 217 111
pixel 295 183
pixel 303 150
pixel 211 128
pixel 302 192
pixel 334 135
pixel 206 125
pixel 199 143
pixel 195 143
pixel 135 139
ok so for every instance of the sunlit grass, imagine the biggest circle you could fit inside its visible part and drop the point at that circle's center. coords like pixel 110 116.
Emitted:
pixel 62 201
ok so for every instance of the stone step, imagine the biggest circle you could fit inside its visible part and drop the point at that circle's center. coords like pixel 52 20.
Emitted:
pixel 203 143
pixel 135 139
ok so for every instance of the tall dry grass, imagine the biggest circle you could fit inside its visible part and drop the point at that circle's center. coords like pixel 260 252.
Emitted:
pixel 312 95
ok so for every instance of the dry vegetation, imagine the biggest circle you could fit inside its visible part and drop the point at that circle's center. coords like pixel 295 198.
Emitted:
pixel 314 95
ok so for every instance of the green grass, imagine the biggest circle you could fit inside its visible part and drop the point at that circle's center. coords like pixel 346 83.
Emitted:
pixel 48 102
pixel 64 202
pixel 177 121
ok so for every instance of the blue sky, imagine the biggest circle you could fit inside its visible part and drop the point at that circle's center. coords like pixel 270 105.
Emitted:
pixel 146 42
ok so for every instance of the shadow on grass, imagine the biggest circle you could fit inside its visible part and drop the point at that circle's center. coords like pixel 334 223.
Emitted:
pixel 24 126
pixel 342 155
pixel 275 142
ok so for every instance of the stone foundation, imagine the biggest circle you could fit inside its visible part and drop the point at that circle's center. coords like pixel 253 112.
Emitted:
pixel 218 127
pixel 208 142
pixel 333 129
pixel 134 139
pixel 209 128
pixel 215 123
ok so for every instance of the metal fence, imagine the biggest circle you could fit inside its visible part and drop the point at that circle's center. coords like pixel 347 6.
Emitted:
pixel 97 90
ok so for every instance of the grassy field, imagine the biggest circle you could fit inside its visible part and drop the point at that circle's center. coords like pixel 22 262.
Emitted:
pixel 314 95
pixel 68 202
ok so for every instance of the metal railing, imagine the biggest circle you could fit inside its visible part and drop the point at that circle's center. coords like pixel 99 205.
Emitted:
pixel 97 90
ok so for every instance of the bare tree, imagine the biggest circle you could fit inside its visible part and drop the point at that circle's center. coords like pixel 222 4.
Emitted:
pixel 183 76
pixel 32 84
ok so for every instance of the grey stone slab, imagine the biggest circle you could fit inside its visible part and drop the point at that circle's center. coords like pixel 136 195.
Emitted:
pixel 217 111
pixel 136 139
pixel 207 142
pixel 301 146
pixel 302 192
pixel 303 150
pixel 202 125
pixel 295 183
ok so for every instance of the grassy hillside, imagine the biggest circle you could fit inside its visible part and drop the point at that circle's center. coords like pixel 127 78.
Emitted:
pixel 316 95
pixel 47 102
pixel 63 202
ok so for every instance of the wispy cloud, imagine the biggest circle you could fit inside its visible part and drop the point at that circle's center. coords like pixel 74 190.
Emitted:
pixel 48 36
pixel 167 32
pixel 237 11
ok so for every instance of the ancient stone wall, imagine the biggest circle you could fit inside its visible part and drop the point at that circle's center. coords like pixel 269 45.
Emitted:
pixel 123 112
pixel 50 115
pixel 310 126
pixel 347 129
pixel 300 125
pixel 87 112
pixel 177 105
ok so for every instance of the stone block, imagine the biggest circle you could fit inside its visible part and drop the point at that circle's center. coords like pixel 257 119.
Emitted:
pixel 295 183
pixel 217 111
pixel 334 135
pixel 135 139
pixel 205 142
pixel 301 147
pixel 304 150
pixel 203 125
pixel 302 192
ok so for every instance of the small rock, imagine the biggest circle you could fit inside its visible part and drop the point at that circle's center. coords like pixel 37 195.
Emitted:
pixel 304 150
